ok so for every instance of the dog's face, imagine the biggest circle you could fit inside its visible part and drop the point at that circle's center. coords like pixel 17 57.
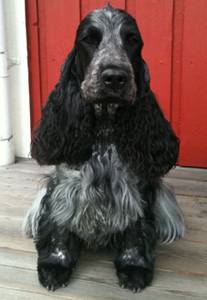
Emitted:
pixel 109 49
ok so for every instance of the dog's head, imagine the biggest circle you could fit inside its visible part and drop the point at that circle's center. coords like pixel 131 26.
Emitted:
pixel 108 56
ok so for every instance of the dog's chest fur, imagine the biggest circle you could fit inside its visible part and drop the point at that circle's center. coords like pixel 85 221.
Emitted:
pixel 101 197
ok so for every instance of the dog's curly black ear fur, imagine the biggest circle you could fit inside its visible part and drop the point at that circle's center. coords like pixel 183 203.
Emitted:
pixel 145 140
pixel 65 130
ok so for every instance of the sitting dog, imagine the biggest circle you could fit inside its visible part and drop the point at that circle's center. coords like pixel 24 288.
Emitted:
pixel 105 132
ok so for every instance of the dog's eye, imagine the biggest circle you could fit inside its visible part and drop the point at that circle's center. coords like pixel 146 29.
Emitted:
pixel 131 41
pixel 88 40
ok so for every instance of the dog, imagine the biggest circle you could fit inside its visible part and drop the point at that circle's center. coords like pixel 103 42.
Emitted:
pixel 108 138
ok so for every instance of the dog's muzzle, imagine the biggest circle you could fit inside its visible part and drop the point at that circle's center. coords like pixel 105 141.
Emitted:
pixel 109 78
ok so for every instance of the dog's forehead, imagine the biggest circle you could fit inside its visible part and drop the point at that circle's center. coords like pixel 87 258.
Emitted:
pixel 108 18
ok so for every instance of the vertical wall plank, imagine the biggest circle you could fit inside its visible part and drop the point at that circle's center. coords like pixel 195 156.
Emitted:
pixel 58 22
pixel 33 59
pixel 193 134
pixel 178 23
pixel 154 18
pixel 131 7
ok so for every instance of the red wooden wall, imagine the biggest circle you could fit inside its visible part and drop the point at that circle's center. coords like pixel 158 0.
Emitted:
pixel 175 38
pixel 193 131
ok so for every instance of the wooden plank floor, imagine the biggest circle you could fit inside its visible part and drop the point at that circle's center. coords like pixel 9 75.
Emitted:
pixel 180 270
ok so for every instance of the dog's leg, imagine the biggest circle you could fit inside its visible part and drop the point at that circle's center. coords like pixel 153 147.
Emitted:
pixel 134 261
pixel 58 252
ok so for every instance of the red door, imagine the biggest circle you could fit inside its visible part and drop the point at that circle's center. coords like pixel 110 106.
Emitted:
pixel 174 34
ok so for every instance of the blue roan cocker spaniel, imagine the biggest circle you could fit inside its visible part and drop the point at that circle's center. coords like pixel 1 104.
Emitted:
pixel 105 132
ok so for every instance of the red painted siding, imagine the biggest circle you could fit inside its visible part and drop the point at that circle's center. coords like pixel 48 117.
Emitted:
pixel 174 33
pixel 33 60
pixel 193 131
pixel 58 21
pixel 177 51
pixel 154 19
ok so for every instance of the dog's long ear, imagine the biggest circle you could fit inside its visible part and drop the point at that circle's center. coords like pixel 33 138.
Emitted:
pixel 144 138
pixel 64 133
pixel 142 78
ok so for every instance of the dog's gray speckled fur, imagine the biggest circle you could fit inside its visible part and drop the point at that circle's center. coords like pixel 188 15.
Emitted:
pixel 101 199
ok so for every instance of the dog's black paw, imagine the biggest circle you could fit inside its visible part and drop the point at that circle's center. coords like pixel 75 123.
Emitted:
pixel 53 277
pixel 135 278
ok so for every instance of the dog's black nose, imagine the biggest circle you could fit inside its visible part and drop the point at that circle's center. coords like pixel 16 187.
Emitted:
pixel 114 78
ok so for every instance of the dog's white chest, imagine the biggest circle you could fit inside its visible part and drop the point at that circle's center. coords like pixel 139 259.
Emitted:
pixel 99 199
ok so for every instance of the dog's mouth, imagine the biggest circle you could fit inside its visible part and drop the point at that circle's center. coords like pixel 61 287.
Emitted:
pixel 106 96
pixel 113 99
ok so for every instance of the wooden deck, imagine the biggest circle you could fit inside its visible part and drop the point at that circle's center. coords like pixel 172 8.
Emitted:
pixel 180 270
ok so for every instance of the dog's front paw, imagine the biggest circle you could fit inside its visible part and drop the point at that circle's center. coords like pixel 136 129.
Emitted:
pixel 53 277
pixel 134 278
